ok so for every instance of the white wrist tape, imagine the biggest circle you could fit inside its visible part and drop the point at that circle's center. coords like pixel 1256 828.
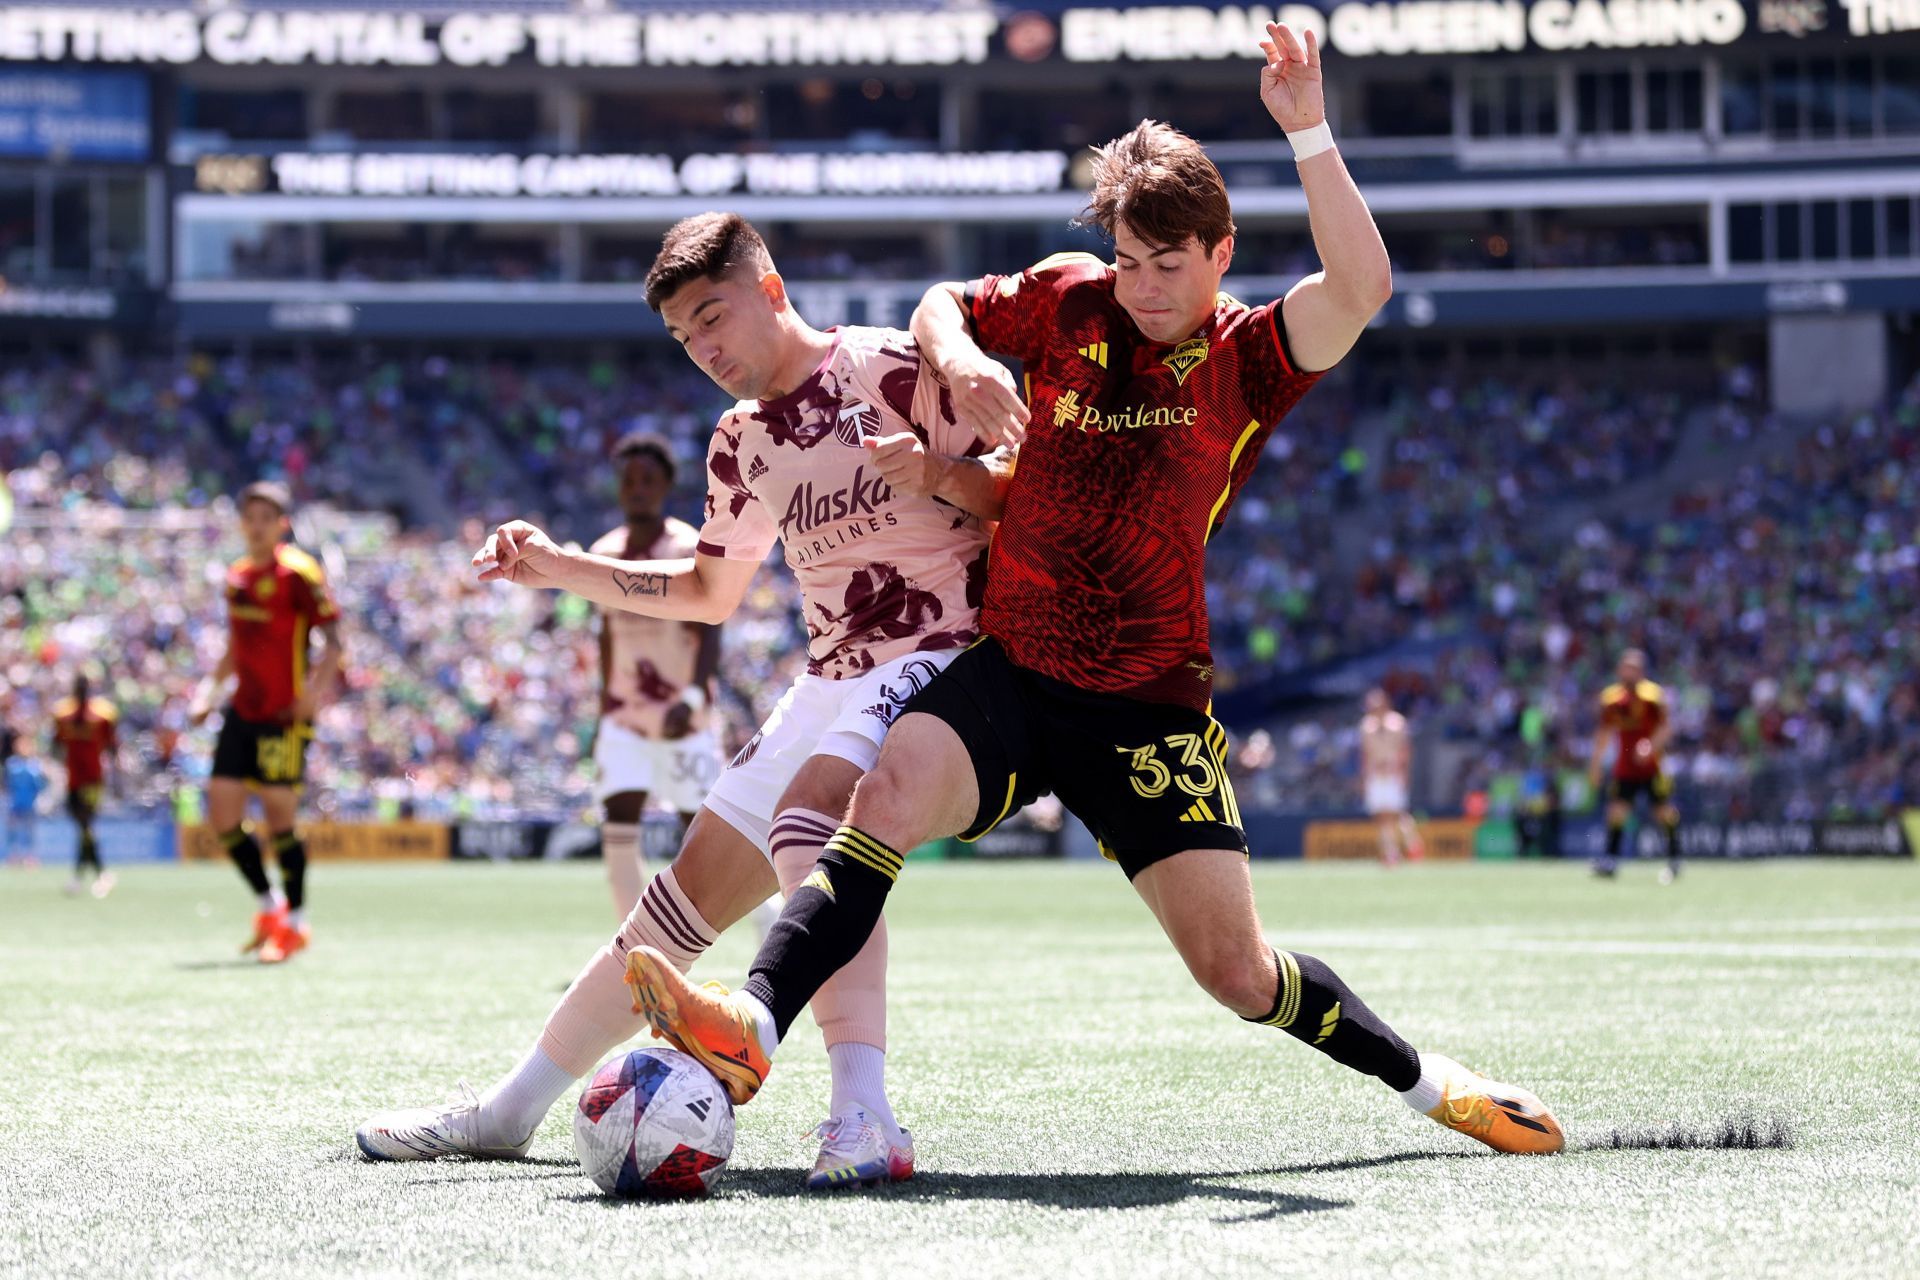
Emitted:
pixel 694 696
pixel 1308 143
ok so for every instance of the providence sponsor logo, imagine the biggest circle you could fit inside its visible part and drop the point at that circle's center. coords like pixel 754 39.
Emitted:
pixel 1068 411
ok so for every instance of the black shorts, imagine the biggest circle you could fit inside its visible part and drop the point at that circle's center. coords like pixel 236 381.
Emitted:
pixel 1658 789
pixel 270 755
pixel 1148 778
pixel 84 802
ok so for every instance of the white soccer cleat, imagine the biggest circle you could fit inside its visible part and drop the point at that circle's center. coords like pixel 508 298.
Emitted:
pixel 428 1133
pixel 855 1152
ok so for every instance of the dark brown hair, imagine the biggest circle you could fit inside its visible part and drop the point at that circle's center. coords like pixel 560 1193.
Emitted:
pixel 1160 183
pixel 707 246
pixel 645 444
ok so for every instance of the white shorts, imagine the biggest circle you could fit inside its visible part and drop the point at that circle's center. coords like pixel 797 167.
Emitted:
pixel 817 716
pixel 1386 795
pixel 677 772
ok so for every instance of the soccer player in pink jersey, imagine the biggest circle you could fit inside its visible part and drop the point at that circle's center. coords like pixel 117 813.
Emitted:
pixel 656 679
pixel 845 451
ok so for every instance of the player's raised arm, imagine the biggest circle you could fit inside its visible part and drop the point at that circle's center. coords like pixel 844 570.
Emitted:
pixel 706 588
pixel 1327 311
pixel 985 400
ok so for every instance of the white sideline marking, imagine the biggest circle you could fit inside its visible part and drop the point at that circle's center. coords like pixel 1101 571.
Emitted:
pixel 1602 947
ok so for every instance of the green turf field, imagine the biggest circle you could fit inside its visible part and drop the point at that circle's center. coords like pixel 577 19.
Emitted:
pixel 1081 1110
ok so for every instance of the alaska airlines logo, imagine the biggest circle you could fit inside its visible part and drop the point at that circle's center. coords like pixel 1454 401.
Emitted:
pixel 1186 358
pixel 807 510
pixel 1069 412
pixel 855 423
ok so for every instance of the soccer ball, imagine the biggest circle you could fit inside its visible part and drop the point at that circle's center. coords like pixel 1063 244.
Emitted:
pixel 653 1124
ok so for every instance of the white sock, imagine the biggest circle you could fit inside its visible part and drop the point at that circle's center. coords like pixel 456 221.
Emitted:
pixel 520 1100
pixel 762 1023
pixel 271 900
pixel 860 1080
pixel 297 918
pixel 1427 1091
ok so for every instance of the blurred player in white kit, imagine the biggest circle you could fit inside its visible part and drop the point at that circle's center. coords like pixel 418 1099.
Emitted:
pixel 1386 759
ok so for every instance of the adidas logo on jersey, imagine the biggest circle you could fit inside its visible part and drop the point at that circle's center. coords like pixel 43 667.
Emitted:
pixel 1096 352
pixel 756 468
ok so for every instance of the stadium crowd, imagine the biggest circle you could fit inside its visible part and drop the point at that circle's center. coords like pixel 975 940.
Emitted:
pixel 1771 598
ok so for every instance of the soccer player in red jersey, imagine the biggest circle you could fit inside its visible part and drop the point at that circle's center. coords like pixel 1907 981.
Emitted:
pixel 87 730
pixel 1149 396
pixel 277 599
pixel 1633 721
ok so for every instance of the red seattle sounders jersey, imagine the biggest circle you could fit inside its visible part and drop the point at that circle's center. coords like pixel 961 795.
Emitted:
pixel 1134 454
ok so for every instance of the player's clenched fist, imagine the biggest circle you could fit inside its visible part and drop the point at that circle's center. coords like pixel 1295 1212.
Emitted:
pixel 517 552
pixel 986 402
pixel 904 463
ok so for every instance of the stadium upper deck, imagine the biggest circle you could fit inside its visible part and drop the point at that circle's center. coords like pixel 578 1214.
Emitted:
pixel 497 170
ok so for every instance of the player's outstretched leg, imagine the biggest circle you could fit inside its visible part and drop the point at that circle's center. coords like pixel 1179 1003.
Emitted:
pixel 827 919
pixel 595 1015
pixel 1203 898
pixel 861 1142
pixel 293 934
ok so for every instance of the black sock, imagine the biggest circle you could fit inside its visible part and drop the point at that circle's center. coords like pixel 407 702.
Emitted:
pixel 292 853
pixel 1314 1006
pixel 826 922
pixel 89 853
pixel 1613 839
pixel 245 852
pixel 1673 843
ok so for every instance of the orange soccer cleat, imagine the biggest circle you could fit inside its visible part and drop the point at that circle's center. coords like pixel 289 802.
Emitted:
pixel 287 939
pixel 265 925
pixel 706 1022
pixel 1505 1117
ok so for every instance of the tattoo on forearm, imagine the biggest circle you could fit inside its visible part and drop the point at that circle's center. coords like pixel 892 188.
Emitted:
pixel 640 584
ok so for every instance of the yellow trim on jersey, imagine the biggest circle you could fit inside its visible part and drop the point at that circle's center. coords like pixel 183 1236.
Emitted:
pixel 300 630
pixel 1013 781
pixel 1233 460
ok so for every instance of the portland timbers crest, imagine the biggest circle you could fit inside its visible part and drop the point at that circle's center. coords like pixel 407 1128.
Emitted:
pixel 1186 358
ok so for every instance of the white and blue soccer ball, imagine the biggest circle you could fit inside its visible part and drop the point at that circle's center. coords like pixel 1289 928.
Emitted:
pixel 653 1124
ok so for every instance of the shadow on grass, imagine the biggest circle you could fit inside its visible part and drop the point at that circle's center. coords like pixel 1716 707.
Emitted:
pixel 1081 1190
pixel 210 966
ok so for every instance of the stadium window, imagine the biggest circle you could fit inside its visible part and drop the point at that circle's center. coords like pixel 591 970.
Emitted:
pixel 1900 95
pixel 1746 233
pixel 1899 210
pixel 1826 230
pixel 1862 234
pixel 1412 108
pixel 512 118
pixel 1856 97
pixel 126 242
pixel 396 116
pixel 244 115
pixel 1787 226
pixel 1512 105
pixel 1605 101
pixel 1786 117
pixel 1069 119
pixel 1743 100
pixel 1659 101
pixel 1690 91
pixel 72 230
pixel 1823 98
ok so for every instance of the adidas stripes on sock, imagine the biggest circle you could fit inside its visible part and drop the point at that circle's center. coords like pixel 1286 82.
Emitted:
pixel 1313 1005
pixel 826 922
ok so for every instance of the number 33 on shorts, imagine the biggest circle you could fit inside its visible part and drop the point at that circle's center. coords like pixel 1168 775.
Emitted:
pixel 1190 765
